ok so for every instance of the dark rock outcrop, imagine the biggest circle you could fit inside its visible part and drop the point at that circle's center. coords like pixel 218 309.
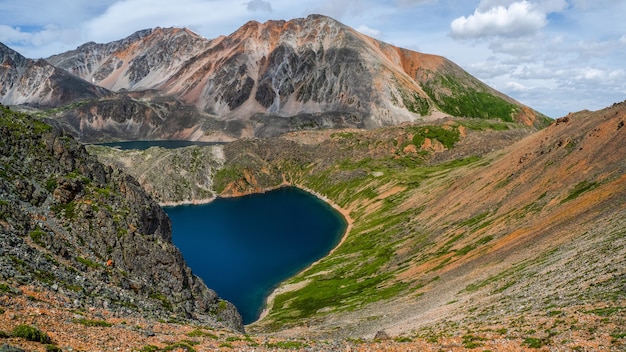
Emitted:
pixel 69 223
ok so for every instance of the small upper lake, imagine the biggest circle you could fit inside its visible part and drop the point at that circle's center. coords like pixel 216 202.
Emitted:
pixel 167 144
pixel 244 247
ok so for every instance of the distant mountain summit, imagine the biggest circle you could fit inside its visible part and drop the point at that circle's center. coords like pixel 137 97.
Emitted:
pixel 141 61
pixel 270 78
pixel 26 81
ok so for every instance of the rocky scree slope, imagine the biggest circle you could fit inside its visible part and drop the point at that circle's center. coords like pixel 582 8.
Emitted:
pixel 139 116
pixel 170 176
pixel 90 232
pixel 280 76
pixel 38 83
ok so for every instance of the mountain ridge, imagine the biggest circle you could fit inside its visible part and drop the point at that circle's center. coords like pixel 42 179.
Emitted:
pixel 280 76
pixel 38 83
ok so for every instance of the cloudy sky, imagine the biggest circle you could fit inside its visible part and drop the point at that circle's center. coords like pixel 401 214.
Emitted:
pixel 556 56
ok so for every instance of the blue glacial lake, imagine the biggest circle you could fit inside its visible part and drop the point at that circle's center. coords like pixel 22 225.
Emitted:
pixel 244 247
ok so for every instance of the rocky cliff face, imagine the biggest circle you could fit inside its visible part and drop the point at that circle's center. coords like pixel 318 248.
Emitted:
pixel 282 76
pixel 90 232
pixel 25 81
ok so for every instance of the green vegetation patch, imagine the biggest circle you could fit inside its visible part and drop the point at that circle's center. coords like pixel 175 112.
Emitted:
pixel 475 245
pixel 416 104
pixel 533 342
pixel 579 189
pixel 22 124
pixel 473 221
pixel 472 341
pixel 52 112
pixel 287 345
pixel 67 210
pixel 201 333
pixel 51 184
pixel 457 99
pixel 5 288
pixel 88 263
pixel 448 136
pixel 30 333
pixel 93 323
pixel 38 236
pixel 181 345
pixel 163 299
pixel 224 176
pixel 485 125
pixel 605 312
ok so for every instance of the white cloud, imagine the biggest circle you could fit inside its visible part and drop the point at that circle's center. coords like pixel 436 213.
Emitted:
pixel 38 44
pixel 414 2
pixel 340 8
pixel 594 4
pixel 259 5
pixel 489 69
pixel 368 31
pixel 518 19
pixel 604 76
pixel 515 86
pixel 10 34
pixel 125 17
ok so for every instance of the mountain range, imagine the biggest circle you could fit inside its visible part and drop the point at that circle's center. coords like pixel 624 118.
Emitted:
pixel 262 80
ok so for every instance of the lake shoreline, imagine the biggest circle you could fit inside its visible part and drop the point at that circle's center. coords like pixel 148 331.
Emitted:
pixel 280 288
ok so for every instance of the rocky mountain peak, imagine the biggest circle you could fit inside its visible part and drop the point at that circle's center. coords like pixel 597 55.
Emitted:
pixel 135 62
pixel 38 83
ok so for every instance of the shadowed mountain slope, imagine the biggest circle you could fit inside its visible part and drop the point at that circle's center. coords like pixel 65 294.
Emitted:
pixel 90 232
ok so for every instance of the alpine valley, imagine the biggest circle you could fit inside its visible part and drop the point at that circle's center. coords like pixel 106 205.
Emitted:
pixel 474 221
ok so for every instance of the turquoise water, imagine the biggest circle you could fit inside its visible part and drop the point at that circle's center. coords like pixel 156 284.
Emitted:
pixel 243 247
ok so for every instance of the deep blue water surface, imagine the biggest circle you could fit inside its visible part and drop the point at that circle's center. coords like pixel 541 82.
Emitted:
pixel 243 247
pixel 141 145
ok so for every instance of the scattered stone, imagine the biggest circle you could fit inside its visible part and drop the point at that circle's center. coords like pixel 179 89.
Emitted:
pixel 8 348
pixel 381 335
